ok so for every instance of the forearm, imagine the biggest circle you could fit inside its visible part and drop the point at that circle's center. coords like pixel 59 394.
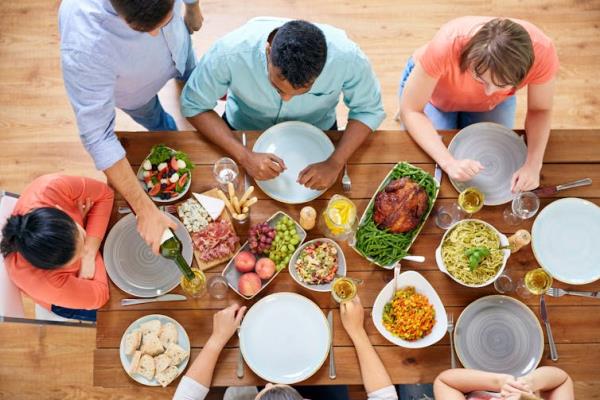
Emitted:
pixel 91 246
pixel 373 372
pixel 210 125
pixel 463 381
pixel 422 131
pixel 204 365
pixel 537 128
pixel 354 136
pixel 549 378
pixel 121 177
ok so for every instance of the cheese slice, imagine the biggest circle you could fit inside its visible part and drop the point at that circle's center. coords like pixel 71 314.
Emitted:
pixel 214 207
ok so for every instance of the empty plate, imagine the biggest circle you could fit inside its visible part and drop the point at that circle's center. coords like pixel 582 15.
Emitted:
pixel 133 267
pixel 298 144
pixel 566 240
pixel 501 151
pixel 284 338
pixel 499 334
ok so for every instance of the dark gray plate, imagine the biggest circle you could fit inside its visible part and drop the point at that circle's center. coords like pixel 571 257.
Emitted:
pixel 499 334
pixel 133 267
pixel 501 151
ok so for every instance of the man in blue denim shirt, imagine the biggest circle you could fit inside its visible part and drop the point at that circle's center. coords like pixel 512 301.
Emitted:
pixel 119 54
pixel 276 70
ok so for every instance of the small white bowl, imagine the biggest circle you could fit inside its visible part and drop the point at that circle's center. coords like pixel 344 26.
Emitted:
pixel 157 199
pixel 411 278
pixel 442 266
pixel 324 287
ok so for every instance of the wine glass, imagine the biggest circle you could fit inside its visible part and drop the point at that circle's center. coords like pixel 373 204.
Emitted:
pixel 535 282
pixel 469 202
pixel 344 289
pixel 504 283
pixel 524 206
pixel 196 287
pixel 226 170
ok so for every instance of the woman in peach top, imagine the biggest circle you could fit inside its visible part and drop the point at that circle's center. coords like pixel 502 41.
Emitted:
pixel 546 383
pixel 468 73
pixel 51 243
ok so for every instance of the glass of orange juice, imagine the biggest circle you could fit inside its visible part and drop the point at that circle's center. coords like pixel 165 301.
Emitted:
pixel 338 221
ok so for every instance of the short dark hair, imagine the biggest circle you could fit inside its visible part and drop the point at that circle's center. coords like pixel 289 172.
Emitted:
pixel 46 237
pixel 299 50
pixel 504 48
pixel 143 15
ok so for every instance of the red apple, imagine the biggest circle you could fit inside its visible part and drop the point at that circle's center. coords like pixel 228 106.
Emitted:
pixel 249 284
pixel 245 261
pixel 265 268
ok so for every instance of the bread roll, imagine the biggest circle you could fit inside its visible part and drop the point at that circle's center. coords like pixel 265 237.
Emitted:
pixel 167 376
pixel 146 367
pixel 133 341
pixel 152 326
pixel 168 334
pixel 176 353
pixel 151 345
pixel 135 362
pixel 162 362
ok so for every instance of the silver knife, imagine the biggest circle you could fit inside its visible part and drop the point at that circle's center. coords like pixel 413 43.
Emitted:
pixel 437 174
pixel 544 312
pixel 550 190
pixel 332 373
pixel 239 371
pixel 246 180
pixel 165 297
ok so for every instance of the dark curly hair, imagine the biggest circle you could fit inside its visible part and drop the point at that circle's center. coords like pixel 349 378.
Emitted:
pixel 46 237
pixel 143 15
pixel 299 50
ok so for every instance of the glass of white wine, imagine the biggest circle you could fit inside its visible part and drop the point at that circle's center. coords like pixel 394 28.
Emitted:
pixel 524 206
pixel 536 282
pixel 344 289
pixel 469 202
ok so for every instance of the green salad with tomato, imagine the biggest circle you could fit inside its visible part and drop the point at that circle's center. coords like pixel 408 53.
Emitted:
pixel 166 173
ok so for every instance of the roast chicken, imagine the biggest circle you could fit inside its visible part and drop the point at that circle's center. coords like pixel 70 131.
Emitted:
pixel 400 206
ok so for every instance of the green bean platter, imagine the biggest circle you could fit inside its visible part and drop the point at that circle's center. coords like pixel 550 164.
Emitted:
pixel 382 246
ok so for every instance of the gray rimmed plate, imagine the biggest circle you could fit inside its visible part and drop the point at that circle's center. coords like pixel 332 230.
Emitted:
pixel 501 151
pixel 499 334
pixel 133 267
pixel 299 144
pixel 324 287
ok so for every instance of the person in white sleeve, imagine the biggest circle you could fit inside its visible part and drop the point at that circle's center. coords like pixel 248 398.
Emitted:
pixel 196 382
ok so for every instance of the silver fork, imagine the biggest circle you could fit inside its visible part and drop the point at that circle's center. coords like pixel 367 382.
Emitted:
pixel 450 331
pixel 558 292
pixel 169 209
pixel 346 182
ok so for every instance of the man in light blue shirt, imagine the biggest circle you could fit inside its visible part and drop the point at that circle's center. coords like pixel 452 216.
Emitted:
pixel 275 70
pixel 119 54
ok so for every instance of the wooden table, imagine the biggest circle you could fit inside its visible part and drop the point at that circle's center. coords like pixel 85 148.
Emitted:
pixel 571 154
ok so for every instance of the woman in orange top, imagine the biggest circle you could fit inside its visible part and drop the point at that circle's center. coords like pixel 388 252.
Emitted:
pixel 51 242
pixel 469 73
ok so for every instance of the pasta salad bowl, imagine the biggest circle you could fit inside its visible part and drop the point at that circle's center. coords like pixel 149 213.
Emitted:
pixel 473 253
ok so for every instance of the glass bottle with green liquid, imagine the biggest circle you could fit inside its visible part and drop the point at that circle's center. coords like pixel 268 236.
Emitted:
pixel 193 280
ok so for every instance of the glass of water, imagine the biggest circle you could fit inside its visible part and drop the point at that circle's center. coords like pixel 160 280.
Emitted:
pixel 226 170
pixel 524 206
pixel 217 287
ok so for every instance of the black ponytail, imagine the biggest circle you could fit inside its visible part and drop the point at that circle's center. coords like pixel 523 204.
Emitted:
pixel 46 237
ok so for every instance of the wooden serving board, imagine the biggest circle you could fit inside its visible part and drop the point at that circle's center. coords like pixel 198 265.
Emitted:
pixel 202 265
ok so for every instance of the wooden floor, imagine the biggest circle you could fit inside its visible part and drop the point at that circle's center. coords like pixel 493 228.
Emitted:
pixel 38 132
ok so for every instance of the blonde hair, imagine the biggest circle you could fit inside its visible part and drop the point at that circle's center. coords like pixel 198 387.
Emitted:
pixel 504 48
pixel 280 392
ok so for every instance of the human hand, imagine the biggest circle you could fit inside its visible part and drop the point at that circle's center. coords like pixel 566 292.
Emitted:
pixel 512 388
pixel 85 207
pixel 526 178
pixel 320 176
pixel 352 315
pixel 463 170
pixel 226 322
pixel 151 225
pixel 87 270
pixel 193 17
pixel 263 166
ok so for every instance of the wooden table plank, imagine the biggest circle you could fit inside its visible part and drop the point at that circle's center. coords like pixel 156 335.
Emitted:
pixel 564 146
pixel 367 177
pixel 198 325
pixel 452 293
pixel 581 361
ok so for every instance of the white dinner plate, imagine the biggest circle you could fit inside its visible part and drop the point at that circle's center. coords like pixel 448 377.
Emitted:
pixel 298 144
pixel 284 338
pixel 565 239
pixel 421 285
pixel 183 341
pixel 134 268
pixel 501 152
